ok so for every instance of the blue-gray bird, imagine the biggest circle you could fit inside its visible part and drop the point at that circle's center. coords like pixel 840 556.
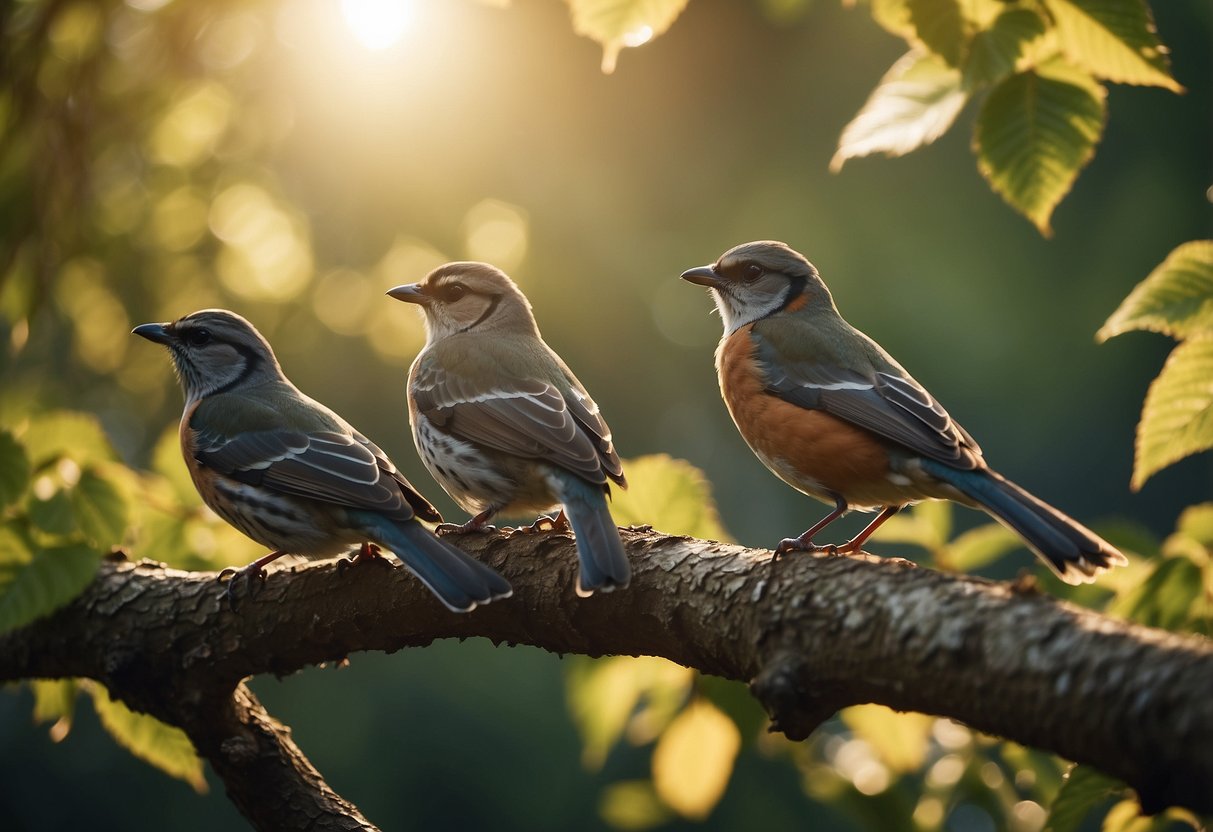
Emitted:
pixel 292 474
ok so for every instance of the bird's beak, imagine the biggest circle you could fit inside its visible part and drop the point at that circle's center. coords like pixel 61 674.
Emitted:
pixel 703 276
pixel 153 332
pixel 410 293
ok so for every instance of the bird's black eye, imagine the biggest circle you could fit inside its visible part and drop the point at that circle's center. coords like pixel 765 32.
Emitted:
pixel 752 272
pixel 198 337
pixel 453 292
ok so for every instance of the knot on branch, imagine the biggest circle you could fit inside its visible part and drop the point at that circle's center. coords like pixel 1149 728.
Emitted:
pixel 794 703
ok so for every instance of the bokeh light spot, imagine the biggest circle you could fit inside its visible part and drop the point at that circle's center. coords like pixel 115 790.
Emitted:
pixel 179 219
pixel 342 301
pixel 189 130
pixel 267 255
pixel 496 232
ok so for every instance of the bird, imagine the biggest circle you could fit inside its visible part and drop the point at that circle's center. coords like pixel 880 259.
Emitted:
pixel 501 422
pixel 833 415
pixel 293 475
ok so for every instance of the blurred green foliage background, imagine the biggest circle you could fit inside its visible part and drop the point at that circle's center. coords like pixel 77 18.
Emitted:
pixel 159 157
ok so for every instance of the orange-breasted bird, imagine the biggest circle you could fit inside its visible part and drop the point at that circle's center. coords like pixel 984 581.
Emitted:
pixel 292 474
pixel 832 414
pixel 503 424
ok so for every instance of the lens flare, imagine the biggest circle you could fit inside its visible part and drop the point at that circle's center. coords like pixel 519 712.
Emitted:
pixel 377 24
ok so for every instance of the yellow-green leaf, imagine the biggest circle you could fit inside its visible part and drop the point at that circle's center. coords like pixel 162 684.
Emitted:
pixel 940 27
pixel 55 701
pixel 167 461
pixel 632 805
pixel 1176 298
pixel 928 525
pixel 64 433
pixel 1084 788
pixel 1177 418
pixel 100 509
pixel 694 758
pixel 165 747
pixel 1114 39
pixel 995 52
pixel 894 17
pixel 1197 523
pixel 1035 132
pixel 915 103
pixel 46 581
pixel 14 469
pixel 901 739
pixel 979 547
pixel 1166 599
pixel 621 23
pixel 671 495
pixel 605 694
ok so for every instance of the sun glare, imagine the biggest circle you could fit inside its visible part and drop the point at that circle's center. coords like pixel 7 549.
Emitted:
pixel 377 24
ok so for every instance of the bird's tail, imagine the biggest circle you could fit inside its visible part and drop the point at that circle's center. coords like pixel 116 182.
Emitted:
pixel 604 566
pixel 1070 549
pixel 460 581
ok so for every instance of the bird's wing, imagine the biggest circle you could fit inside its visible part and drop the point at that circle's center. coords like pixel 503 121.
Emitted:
pixel 331 466
pixel 528 418
pixel 890 404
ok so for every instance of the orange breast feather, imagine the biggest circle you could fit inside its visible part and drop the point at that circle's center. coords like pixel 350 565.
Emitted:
pixel 812 451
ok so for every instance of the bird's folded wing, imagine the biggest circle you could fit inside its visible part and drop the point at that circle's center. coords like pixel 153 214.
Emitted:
pixel 528 418
pixel 894 407
pixel 323 465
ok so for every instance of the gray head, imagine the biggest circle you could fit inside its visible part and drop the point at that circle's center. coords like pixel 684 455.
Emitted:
pixel 469 297
pixel 759 279
pixel 214 351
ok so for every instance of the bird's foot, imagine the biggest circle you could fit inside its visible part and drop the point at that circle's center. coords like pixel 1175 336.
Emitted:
pixel 547 523
pixel 469 526
pixel 252 576
pixel 799 544
pixel 367 553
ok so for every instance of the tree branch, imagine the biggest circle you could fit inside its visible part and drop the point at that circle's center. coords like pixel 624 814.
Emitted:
pixel 810 635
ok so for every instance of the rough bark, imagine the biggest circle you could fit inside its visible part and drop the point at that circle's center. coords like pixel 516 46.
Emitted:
pixel 811 634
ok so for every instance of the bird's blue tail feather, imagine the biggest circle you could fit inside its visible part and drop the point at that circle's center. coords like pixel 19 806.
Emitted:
pixel 460 581
pixel 1072 550
pixel 604 565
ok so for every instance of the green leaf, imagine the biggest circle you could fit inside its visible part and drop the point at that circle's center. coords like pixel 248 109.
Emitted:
pixel 1197 523
pixel 165 747
pixel 14 469
pixel 694 759
pixel 940 26
pixel 979 547
pixel 632 805
pixel 1114 39
pixel 894 17
pixel 55 701
pixel 927 525
pixel 46 581
pixel 1175 299
pixel 902 740
pixel 1035 132
pixel 1165 599
pixel 53 515
pixel 619 23
pixel 605 694
pixel 100 509
pixel 1177 418
pixel 77 436
pixel 1083 790
pixel 995 52
pixel 167 461
pixel 915 103
pixel 671 495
